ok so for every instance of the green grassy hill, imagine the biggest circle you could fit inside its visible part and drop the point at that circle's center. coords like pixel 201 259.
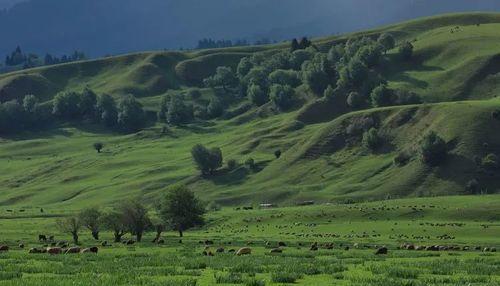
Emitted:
pixel 457 73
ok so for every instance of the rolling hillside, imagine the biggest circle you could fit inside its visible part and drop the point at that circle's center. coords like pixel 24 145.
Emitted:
pixel 456 70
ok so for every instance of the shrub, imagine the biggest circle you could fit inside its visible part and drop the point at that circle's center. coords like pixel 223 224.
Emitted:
pixel 371 139
pixel 106 110
pixel 402 158
pixel 65 105
pixel 495 114
pixel 404 97
pixel 206 160
pixel 228 278
pixel 178 111
pixel 315 77
pixel 277 154
pixel 433 149
pixel 250 163
pixel 387 41
pixel 223 77
pixel 282 277
pixel 98 146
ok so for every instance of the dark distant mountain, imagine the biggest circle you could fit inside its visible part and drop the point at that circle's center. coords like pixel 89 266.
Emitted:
pixel 100 27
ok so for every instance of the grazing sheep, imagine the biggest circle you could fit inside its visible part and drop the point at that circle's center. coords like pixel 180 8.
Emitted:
pixel 92 249
pixel 382 250
pixel 276 250
pixel 244 251
pixel 4 248
pixel 220 250
pixel 35 250
pixel 281 244
pixel 42 237
pixel 54 250
pixel 73 250
pixel 21 245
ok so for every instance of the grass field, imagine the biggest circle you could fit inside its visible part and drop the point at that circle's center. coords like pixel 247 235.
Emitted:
pixel 470 221
pixel 362 199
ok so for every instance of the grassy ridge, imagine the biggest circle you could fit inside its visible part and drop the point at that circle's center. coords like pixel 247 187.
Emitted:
pixel 321 159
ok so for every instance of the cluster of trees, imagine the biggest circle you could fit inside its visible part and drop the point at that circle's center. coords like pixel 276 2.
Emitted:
pixel 209 43
pixel 127 115
pixel 18 58
pixel 207 160
pixel 349 70
pixel 18 116
pixel 178 210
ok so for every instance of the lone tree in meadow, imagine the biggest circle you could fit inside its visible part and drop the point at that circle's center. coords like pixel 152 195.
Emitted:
pixel 91 219
pixel 433 149
pixel 224 77
pixel 181 209
pixel 135 218
pixel 70 225
pixel 207 160
pixel 98 146
pixel 115 222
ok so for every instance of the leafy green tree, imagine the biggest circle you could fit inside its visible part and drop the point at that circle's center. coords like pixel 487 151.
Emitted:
pixel 299 57
pixel 14 117
pixel 106 110
pixel 164 103
pixel 257 76
pixel 294 45
pixel 91 219
pixel 115 222
pixel 406 51
pixel 178 111
pixel 433 149
pixel 135 218
pixel 30 103
pixel 224 77
pixel 194 93
pixel 87 104
pixel 98 146
pixel 244 67
pixel 336 53
pixel 404 97
pixel 382 96
pixel 315 77
pixel 387 41
pixel 257 95
pixel 71 225
pixel 282 96
pixel 304 43
pixel 370 55
pixel 181 209
pixel 131 116
pixel 277 154
pixel 65 105
pixel 473 187
pixel 215 108
pixel 371 139
pixel 207 160
pixel 284 77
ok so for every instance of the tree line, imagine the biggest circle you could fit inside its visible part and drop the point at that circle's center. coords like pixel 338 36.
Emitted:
pixel 126 115
pixel 19 58
pixel 178 210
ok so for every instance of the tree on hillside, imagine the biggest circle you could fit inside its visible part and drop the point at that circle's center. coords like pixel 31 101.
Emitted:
pixel 131 116
pixel 98 146
pixel 244 67
pixel 285 77
pixel 224 77
pixel 282 96
pixel 382 96
pixel 87 103
pixel 433 149
pixel 65 105
pixel 135 218
pixel 178 112
pixel 406 50
pixel 215 107
pixel 387 41
pixel 181 209
pixel 315 77
pixel 115 222
pixel 355 100
pixel 30 103
pixel 106 110
pixel 91 219
pixel 257 95
pixel 70 225
pixel 372 139
pixel 294 45
pixel 207 160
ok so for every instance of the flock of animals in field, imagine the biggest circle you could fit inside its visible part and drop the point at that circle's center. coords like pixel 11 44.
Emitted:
pixel 301 231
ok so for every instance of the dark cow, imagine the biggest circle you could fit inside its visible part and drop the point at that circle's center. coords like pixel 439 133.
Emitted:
pixel 42 237
pixel 54 250
pixel 73 250
pixel 4 248
pixel 382 250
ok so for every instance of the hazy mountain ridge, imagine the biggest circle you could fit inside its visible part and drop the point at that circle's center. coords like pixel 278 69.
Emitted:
pixel 100 27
